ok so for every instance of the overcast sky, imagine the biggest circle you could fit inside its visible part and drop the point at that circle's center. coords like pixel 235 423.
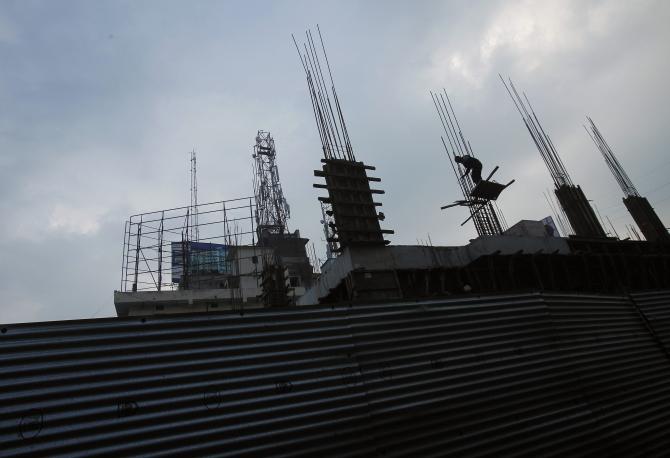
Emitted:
pixel 100 101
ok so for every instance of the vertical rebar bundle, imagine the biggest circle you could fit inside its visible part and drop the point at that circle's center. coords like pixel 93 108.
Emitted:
pixel 572 199
pixel 612 162
pixel 327 113
pixel 542 141
pixel 639 207
pixel 272 210
pixel 354 211
pixel 483 214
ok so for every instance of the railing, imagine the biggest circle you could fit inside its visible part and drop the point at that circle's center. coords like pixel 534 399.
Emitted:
pixel 179 248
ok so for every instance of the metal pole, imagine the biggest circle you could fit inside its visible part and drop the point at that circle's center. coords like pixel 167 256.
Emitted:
pixel 160 253
pixel 137 252
pixel 124 256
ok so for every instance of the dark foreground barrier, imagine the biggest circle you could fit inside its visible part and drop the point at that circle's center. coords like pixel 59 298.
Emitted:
pixel 533 374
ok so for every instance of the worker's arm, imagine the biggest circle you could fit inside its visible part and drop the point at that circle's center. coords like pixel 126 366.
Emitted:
pixel 467 170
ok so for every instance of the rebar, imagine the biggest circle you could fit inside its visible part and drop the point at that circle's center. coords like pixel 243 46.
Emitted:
pixel 615 167
pixel 326 106
pixel 541 139
pixel 483 214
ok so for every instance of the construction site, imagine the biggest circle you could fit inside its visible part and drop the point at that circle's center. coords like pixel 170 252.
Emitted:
pixel 233 337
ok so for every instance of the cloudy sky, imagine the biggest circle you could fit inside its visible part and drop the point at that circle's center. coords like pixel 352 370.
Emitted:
pixel 100 101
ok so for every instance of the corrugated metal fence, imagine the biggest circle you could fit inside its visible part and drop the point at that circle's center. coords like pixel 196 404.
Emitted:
pixel 516 375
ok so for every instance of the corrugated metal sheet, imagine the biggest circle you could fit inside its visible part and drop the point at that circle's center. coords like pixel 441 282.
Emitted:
pixel 531 374
pixel 655 307
pixel 619 372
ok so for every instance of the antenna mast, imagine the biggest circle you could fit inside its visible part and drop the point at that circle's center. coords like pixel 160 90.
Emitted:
pixel 194 197
pixel 272 210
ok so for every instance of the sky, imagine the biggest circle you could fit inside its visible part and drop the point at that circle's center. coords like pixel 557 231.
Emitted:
pixel 100 103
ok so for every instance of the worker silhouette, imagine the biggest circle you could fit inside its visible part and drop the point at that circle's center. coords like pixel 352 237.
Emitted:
pixel 471 164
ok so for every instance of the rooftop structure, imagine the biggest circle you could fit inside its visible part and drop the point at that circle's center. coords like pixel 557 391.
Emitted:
pixel 525 257
pixel 286 264
pixel 165 270
pixel 214 256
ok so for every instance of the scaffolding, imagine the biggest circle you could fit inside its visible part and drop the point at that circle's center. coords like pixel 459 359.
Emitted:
pixel 485 214
pixel 160 251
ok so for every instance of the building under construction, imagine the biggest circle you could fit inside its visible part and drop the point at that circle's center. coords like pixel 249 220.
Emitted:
pixel 520 343
pixel 233 254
